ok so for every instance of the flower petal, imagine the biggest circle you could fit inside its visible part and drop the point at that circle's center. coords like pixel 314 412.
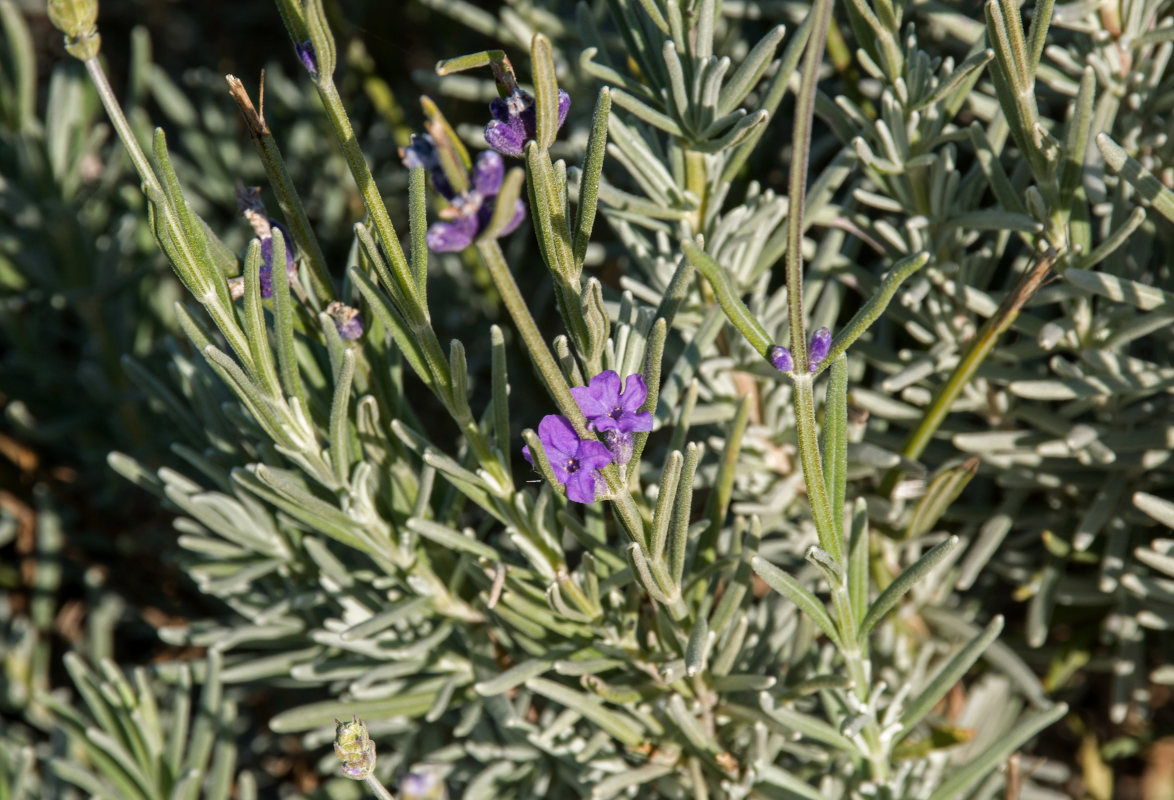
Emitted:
pixel 590 400
pixel 507 138
pixel 593 455
pixel 519 216
pixel 581 486
pixel 606 387
pixel 451 237
pixel 499 109
pixel 639 422
pixel 488 173
pixel 564 105
pixel 559 438
pixel 635 393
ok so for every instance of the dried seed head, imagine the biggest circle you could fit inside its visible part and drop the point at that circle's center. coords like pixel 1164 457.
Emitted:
pixel 355 749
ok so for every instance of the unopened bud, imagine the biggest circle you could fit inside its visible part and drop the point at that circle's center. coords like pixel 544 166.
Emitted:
pixel 78 20
pixel 355 749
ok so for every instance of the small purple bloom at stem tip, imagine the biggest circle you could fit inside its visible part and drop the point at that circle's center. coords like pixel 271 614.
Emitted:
pixel 817 351
pixel 309 59
pixel 515 121
pixel 347 320
pixel 576 462
pixel 781 358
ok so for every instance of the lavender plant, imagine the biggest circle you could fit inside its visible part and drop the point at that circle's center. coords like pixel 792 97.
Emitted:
pixel 776 619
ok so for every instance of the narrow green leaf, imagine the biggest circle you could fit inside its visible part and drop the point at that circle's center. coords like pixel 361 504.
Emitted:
pixel 512 677
pixel 902 584
pixel 968 775
pixel 1141 178
pixel 546 91
pixel 790 588
pixel 806 725
pixel 947 676
pixel 418 227
pixel 447 537
pixel 874 306
pixel 750 70
pixel 591 173
pixel 619 725
pixel 340 457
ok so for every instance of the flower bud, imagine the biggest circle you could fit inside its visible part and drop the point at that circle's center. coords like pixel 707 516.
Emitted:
pixel 817 351
pixel 355 749
pixel 781 358
pixel 78 20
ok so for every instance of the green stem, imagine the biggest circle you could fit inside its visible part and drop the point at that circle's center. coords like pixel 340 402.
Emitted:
pixel 287 196
pixel 697 182
pixel 797 191
pixel 416 311
pixel 817 494
pixel 978 351
pixel 378 789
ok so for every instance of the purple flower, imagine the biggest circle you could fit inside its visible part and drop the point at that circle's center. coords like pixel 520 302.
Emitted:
pixel 515 121
pixel 607 408
pixel 576 462
pixel 421 152
pixel 471 211
pixel 266 273
pixel 817 351
pixel 346 320
pixel 422 786
pixel 781 358
pixel 309 59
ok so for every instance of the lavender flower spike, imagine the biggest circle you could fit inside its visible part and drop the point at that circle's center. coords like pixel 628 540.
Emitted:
pixel 515 121
pixel 781 358
pixel 817 351
pixel 471 211
pixel 576 462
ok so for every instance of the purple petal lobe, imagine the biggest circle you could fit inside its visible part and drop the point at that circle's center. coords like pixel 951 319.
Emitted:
pixel 488 173
pixel 516 220
pixel 451 237
pixel 564 105
pixel 499 109
pixel 559 437
pixel 505 138
pixel 581 486
pixel 635 392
